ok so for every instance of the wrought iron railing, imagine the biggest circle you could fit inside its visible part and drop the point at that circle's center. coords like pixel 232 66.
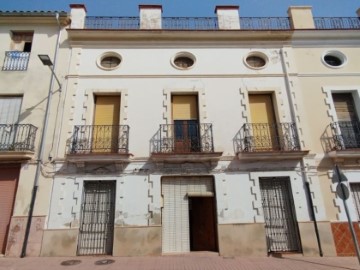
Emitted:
pixel 268 137
pixel 16 61
pixel 337 22
pixel 345 134
pixel 92 22
pixel 265 23
pixel 190 23
pixel 183 138
pixel 88 139
pixel 17 137
pixel 211 23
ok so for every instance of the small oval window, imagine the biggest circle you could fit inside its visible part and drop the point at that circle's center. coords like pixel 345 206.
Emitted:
pixel 334 59
pixel 183 60
pixel 109 61
pixel 256 60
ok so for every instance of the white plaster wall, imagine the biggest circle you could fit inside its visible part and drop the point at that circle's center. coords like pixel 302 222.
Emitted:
pixel 145 60
pixel 145 75
pixel 234 198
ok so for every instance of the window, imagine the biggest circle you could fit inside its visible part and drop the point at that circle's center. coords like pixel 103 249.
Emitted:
pixel 17 58
pixel 256 60
pixel 22 41
pixel 183 60
pixel 186 123
pixel 9 109
pixel 334 59
pixel 109 61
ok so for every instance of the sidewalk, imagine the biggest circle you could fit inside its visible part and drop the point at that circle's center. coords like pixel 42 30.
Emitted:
pixel 180 262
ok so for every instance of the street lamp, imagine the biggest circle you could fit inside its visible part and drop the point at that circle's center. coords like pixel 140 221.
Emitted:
pixel 45 59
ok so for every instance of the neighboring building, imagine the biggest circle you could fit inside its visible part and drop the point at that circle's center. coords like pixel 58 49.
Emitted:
pixel 24 87
pixel 199 134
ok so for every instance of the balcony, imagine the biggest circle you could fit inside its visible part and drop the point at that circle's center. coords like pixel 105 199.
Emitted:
pixel 17 141
pixel 16 61
pixel 345 139
pixel 268 142
pixel 186 141
pixel 99 143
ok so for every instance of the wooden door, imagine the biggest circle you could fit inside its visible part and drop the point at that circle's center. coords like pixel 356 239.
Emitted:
pixel 202 224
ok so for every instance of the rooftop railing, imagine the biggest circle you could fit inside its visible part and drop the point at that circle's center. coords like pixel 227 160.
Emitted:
pixel 211 23
pixel 337 23
pixel 265 23
pixel 190 23
pixel 112 23
pixel 16 61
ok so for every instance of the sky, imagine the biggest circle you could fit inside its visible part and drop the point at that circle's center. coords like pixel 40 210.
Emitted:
pixel 189 8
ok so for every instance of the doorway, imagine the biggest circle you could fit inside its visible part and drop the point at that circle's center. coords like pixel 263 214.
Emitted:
pixel 202 224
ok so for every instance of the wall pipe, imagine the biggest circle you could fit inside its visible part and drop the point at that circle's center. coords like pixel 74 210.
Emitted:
pixel 302 165
pixel 41 146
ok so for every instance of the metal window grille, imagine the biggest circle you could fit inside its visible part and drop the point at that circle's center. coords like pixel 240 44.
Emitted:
pixel 355 191
pixel 97 218
pixel 282 233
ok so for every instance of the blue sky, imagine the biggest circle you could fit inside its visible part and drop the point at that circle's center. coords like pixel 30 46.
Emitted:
pixel 190 8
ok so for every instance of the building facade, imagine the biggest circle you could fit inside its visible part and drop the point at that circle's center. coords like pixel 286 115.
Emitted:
pixel 24 88
pixel 198 134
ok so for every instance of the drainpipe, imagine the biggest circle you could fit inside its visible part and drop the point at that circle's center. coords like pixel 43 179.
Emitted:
pixel 302 165
pixel 42 146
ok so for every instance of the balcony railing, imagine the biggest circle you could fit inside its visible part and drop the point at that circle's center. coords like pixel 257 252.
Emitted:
pixel 16 61
pixel 184 138
pixel 345 134
pixel 99 139
pixel 268 137
pixel 337 22
pixel 112 23
pixel 190 23
pixel 17 137
pixel 265 23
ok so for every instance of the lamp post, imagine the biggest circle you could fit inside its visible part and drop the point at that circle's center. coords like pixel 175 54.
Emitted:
pixel 45 59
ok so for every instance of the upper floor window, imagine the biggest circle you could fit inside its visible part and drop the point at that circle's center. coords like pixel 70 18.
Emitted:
pixel 334 59
pixel 183 60
pixel 17 58
pixel 22 41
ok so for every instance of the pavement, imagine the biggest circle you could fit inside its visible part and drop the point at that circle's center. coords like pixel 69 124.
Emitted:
pixel 180 262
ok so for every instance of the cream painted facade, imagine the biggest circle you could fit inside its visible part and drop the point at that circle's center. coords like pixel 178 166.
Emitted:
pixel 23 76
pixel 238 175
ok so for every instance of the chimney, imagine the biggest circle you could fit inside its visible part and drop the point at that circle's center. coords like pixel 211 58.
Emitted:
pixel 77 14
pixel 150 16
pixel 301 17
pixel 228 17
